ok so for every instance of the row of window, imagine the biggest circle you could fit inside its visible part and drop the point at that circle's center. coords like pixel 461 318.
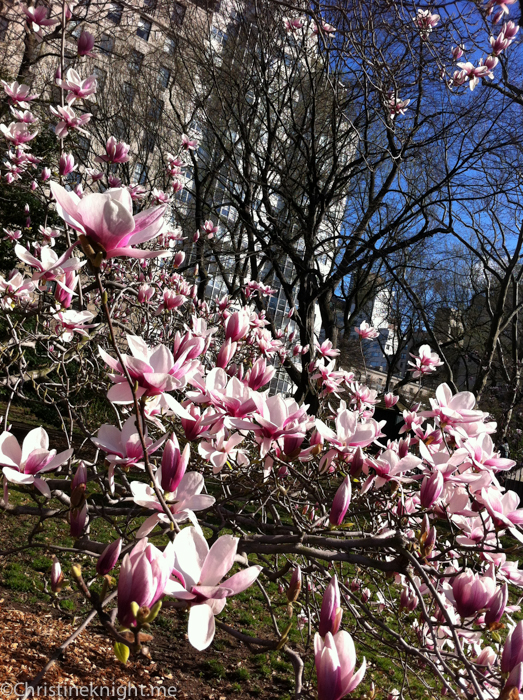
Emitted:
pixel 177 15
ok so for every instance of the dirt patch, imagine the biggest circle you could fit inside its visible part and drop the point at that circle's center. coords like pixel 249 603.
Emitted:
pixel 29 638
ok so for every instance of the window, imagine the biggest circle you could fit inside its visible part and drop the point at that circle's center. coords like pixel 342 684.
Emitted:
pixel 135 61
pixel 170 45
pixel 106 44
pixel 144 28
pixel 120 129
pixel 140 173
pixel 83 146
pixel 101 76
pixel 164 75
pixel 129 92
pixel 218 36
pixel 149 6
pixel 149 140
pixel 155 109
pixel 115 13
pixel 178 14
pixel 4 26
pixel 75 28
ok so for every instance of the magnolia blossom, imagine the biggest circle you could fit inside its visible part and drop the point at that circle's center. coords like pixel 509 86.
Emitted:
pixel 71 322
pixel 335 660
pixel 17 133
pixel 107 223
pixel 189 144
pixel 366 331
pixel 18 94
pixel 471 592
pixel 23 465
pixel 86 44
pixel 77 88
pixel 196 578
pixel 15 290
pixel 425 362
pixel 183 501
pixel 143 577
pixel 37 19
pixel 123 447
pixel 222 449
pixel 425 21
pixel 50 267
pixel 69 121
pixel 156 371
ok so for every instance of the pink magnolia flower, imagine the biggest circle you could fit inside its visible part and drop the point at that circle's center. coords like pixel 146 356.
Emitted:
pixel 473 73
pixel 326 349
pixel 70 322
pixel 36 18
pixel 64 291
pixel 77 88
pixel 276 417
pixel 237 326
pixel 335 661
pixel 66 164
pixel 69 121
pixel 94 174
pixel 189 144
pixel 222 449
pixel 259 374
pixel 503 509
pixel 145 293
pixel 457 52
pixel 196 578
pixel 389 467
pixel 17 133
pixel 341 503
pixel 116 152
pixel 186 498
pixel 471 592
pixel 143 577
pixel 350 433
pixel 209 229
pixel 502 5
pixel 86 44
pixel 171 301
pixel 397 106
pixel 107 222
pixel 27 117
pixel 23 465
pixel 454 410
pixel 15 290
pixel 425 21
pixel 226 353
pixel 390 400
pixel 18 94
pixel 325 28
pixel 123 447
pixel 431 489
pixel 425 362
pixel 57 576
pixel 293 25
pixel 156 371
pixel 12 235
pixel 50 267
pixel 366 331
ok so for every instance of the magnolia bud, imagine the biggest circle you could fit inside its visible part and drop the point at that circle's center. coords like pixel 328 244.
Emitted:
pixel 57 576
pixel 293 591
pixel 108 558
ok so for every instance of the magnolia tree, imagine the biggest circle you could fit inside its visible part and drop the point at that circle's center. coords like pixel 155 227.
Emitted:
pixel 359 537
